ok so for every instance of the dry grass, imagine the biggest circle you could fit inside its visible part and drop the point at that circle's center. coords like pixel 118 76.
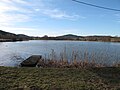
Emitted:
pixel 78 60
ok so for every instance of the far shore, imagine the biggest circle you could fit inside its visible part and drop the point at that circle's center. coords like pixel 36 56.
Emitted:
pixel 15 40
pixel 11 40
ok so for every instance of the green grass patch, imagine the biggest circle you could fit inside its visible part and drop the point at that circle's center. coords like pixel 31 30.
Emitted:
pixel 14 78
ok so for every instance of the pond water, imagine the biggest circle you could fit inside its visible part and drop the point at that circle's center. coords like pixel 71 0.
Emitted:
pixel 12 53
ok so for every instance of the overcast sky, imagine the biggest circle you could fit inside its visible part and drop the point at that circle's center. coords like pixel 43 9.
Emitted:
pixel 59 17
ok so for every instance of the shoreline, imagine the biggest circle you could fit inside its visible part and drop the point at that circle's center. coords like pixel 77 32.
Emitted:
pixel 10 40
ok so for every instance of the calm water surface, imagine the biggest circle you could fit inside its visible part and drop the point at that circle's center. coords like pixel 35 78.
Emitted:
pixel 12 53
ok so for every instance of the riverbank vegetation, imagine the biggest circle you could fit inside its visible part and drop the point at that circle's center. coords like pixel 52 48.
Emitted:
pixel 15 78
pixel 78 59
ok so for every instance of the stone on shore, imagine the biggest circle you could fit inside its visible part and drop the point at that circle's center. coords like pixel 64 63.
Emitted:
pixel 31 61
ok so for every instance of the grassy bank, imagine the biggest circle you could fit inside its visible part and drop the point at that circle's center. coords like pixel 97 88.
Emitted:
pixel 13 78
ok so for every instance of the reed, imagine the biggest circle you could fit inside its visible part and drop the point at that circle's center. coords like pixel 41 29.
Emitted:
pixel 78 60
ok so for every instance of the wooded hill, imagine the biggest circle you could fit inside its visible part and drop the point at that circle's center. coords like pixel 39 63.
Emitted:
pixel 6 36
